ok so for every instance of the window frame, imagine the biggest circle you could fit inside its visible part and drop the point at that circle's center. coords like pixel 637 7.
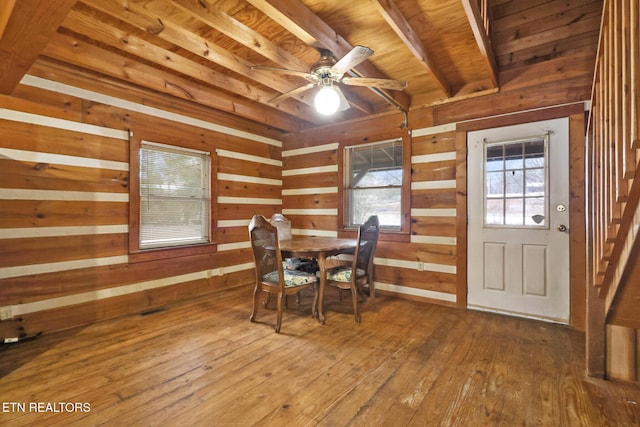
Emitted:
pixel 137 254
pixel 395 234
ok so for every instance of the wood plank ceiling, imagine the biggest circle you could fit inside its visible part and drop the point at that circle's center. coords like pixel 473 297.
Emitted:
pixel 203 50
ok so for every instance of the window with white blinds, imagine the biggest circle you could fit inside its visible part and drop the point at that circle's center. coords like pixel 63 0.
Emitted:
pixel 373 183
pixel 175 196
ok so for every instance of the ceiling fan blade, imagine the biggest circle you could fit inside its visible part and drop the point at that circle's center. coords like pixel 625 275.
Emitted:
pixel 354 57
pixel 292 92
pixel 302 74
pixel 380 83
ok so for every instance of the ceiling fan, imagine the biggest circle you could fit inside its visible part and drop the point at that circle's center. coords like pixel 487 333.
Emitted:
pixel 327 73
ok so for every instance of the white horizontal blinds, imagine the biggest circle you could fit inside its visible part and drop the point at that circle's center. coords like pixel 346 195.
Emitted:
pixel 374 184
pixel 175 196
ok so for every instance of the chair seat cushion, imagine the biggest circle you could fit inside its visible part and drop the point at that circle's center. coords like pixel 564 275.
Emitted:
pixel 291 278
pixel 343 274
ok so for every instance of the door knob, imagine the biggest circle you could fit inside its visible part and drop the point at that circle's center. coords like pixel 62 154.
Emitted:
pixel 562 228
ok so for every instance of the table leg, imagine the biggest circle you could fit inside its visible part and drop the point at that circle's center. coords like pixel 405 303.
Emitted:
pixel 323 280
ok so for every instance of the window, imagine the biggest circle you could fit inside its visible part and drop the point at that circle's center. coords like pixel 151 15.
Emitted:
pixel 174 196
pixel 516 183
pixel 374 179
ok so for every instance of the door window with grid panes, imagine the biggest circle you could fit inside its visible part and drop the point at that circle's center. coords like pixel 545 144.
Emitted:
pixel 516 189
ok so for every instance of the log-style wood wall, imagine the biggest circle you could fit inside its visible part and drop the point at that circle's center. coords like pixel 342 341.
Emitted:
pixel 429 263
pixel 64 257
pixel 418 263
pixel 614 183
pixel 64 179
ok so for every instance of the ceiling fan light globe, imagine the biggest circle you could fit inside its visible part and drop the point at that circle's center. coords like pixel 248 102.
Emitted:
pixel 327 101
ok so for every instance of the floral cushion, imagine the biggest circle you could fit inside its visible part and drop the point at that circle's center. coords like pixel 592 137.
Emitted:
pixel 291 278
pixel 343 274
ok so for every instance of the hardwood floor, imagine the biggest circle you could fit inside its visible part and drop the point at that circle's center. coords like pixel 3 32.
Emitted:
pixel 408 363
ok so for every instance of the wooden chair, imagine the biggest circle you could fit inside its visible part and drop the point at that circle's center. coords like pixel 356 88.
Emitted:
pixel 271 277
pixel 359 272
pixel 283 224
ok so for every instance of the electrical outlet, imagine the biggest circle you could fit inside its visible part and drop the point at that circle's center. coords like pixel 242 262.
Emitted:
pixel 420 266
pixel 5 314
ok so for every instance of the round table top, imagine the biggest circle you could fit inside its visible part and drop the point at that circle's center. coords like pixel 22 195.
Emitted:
pixel 316 243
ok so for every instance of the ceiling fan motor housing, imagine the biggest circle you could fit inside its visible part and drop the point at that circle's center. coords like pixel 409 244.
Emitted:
pixel 322 68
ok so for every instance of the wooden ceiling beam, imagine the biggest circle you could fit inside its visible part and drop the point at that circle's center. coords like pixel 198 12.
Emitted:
pixel 236 30
pixel 396 20
pixel 28 29
pixel 253 40
pixel 482 39
pixel 299 20
pixel 88 25
pixel 144 17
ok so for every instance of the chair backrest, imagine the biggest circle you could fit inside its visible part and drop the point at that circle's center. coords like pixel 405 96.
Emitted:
pixel 282 224
pixel 367 242
pixel 266 250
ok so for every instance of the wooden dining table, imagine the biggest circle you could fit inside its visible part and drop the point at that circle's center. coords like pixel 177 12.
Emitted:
pixel 318 247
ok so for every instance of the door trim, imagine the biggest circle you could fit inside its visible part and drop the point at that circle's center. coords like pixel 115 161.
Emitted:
pixel 577 269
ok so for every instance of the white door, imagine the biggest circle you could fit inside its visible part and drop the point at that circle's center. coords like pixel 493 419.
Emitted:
pixel 518 238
